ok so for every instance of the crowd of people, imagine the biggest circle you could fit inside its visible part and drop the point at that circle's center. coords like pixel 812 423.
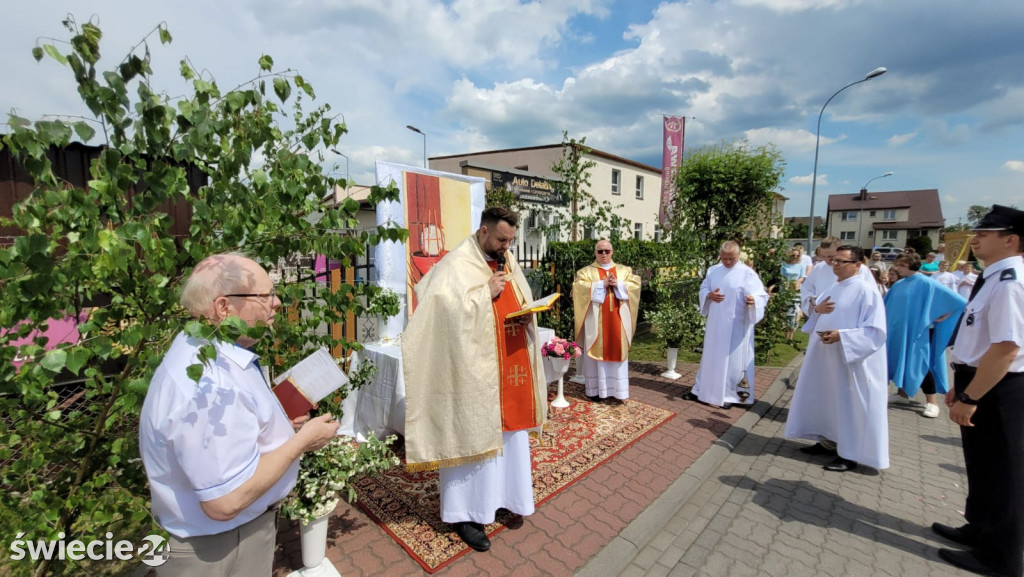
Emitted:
pixel 221 453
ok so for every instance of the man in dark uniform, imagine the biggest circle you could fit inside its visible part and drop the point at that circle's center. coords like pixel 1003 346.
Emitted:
pixel 987 401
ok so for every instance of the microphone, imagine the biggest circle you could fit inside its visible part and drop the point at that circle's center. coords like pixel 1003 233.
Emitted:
pixel 501 262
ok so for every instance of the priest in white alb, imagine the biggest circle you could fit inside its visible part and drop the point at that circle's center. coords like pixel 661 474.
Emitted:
pixel 733 299
pixel 475 380
pixel 841 398
pixel 605 298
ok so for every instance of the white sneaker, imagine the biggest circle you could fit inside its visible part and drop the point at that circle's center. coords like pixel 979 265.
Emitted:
pixel 930 410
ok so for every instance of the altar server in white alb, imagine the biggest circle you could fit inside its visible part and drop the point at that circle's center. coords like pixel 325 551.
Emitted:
pixel 822 276
pixel 733 299
pixel 840 398
pixel 605 299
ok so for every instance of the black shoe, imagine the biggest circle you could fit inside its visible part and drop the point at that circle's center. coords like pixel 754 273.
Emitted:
pixel 968 561
pixel 690 397
pixel 841 465
pixel 817 449
pixel 593 398
pixel 615 402
pixel 962 535
pixel 473 535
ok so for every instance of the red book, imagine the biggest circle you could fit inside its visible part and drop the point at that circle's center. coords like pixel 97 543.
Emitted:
pixel 292 399
pixel 301 387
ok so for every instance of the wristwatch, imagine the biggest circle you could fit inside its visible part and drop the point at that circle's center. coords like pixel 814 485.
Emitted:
pixel 963 398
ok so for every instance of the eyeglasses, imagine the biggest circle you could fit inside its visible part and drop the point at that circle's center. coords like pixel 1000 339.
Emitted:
pixel 264 297
pixel 604 251
pixel 840 261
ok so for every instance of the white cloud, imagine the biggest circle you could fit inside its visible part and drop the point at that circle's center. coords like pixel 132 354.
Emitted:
pixel 822 179
pixel 900 139
pixel 1014 165
pixel 795 5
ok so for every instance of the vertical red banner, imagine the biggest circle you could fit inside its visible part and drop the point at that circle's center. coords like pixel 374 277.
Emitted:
pixel 671 156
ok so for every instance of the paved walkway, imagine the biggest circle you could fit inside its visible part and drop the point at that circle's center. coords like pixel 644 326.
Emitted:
pixel 711 493
pixel 577 524
pixel 765 509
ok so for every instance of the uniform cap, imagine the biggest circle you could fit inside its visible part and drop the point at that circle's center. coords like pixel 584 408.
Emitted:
pixel 1003 218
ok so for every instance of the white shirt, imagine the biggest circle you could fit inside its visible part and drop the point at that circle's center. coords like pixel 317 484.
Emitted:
pixel 965 283
pixel 947 279
pixel 995 315
pixel 200 441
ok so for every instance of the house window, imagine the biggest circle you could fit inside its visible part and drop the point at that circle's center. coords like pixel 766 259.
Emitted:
pixel 657 234
pixel 847 235
pixel 638 230
pixel 640 187
pixel 588 232
pixel 873 213
pixel 890 234
pixel 889 214
pixel 849 215
pixel 531 222
pixel 916 233
pixel 616 233
pixel 616 181
pixel 871 233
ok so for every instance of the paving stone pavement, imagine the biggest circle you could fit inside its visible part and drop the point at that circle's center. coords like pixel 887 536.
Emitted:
pixel 631 495
pixel 765 509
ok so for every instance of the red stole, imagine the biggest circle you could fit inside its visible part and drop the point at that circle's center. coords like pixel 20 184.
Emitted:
pixel 611 323
pixel 518 403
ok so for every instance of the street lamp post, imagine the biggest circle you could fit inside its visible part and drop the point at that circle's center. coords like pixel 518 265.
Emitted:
pixel 424 135
pixel 346 166
pixel 817 139
pixel 863 199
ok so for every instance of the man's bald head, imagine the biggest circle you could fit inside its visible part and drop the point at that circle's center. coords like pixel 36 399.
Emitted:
pixel 603 252
pixel 215 276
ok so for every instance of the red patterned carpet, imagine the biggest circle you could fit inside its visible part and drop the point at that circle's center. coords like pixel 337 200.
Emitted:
pixel 576 440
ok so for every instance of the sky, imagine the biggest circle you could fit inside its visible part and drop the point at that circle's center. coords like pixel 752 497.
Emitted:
pixel 477 75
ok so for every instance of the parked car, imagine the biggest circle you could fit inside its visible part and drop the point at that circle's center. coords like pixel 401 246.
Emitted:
pixel 888 252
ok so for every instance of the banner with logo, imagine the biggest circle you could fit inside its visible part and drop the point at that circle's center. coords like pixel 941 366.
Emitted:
pixel 671 157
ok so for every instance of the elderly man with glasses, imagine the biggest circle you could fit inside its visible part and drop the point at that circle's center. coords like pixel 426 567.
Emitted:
pixel 220 452
pixel 606 297
pixel 840 396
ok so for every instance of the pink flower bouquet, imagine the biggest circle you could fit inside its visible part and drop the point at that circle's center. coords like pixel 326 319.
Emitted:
pixel 561 348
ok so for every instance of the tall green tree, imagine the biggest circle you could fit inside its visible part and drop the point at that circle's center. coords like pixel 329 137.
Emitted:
pixel 70 463
pixel 722 191
pixel 976 212
pixel 583 211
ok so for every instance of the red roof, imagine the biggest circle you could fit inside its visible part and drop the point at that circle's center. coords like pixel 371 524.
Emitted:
pixel 924 205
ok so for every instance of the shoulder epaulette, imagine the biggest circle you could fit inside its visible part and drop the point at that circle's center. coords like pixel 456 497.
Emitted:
pixel 1008 274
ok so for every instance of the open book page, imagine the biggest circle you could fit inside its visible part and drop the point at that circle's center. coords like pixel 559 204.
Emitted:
pixel 541 304
pixel 316 376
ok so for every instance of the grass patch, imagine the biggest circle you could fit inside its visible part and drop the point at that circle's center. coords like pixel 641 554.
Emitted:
pixel 648 348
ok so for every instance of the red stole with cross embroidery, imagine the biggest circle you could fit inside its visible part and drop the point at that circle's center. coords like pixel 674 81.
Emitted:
pixel 518 403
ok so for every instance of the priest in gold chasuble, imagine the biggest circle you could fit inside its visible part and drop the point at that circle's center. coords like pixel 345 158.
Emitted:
pixel 474 381
pixel 606 297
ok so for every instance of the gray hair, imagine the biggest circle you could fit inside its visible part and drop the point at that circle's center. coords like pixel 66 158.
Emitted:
pixel 730 246
pixel 214 276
